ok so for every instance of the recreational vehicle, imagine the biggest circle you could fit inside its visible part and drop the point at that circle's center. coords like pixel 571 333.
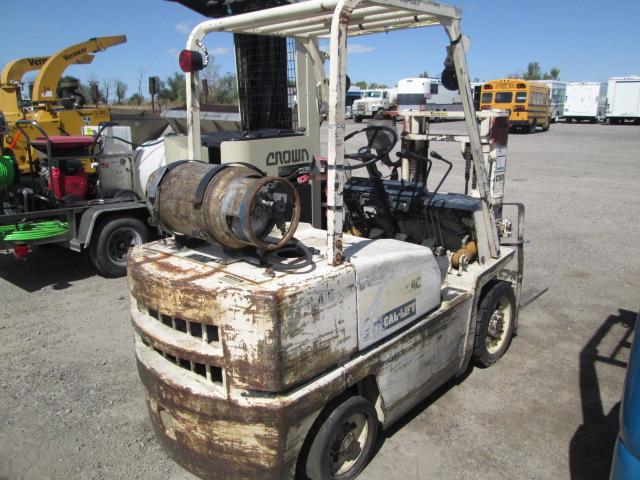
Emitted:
pixel 557 94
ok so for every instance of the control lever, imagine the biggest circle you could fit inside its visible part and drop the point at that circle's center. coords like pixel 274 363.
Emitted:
pixel 437 156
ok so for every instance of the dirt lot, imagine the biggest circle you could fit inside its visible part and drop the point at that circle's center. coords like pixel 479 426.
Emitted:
pixel 71 404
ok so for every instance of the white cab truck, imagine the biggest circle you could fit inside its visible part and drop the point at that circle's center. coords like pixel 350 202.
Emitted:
pixel 623 98
pixel 271 356
pixel 373 101
pixel 585 101
pixel 557 95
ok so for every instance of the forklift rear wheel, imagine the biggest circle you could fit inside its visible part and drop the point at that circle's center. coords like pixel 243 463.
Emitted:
pixel 112 240
pixel 342 446
pixel 494 325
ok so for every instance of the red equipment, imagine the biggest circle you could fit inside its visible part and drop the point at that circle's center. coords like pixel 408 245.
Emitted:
pixel 68 178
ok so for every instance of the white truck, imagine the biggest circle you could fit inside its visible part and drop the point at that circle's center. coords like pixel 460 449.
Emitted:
pixel 585 101
pixel 623 99
pixel 372 102
pixel 557 96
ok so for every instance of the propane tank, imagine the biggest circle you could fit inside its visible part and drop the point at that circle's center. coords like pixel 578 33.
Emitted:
pixel 230 204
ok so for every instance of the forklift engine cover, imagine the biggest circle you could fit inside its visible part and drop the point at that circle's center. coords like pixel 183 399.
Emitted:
pixel 283 330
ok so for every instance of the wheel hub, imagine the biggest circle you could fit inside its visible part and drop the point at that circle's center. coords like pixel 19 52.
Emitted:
pixel 348 444
pixel 120 241
pixel 498 326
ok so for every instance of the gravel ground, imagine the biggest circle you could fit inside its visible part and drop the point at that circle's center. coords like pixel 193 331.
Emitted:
pixel 71 404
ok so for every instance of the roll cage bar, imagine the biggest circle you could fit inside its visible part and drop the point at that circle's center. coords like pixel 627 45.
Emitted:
pixel 337 20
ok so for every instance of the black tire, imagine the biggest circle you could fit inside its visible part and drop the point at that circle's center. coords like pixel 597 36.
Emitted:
pixel 357 119
pixel 545 128
pixel 335 430
pixel 108 248
pixel 499 296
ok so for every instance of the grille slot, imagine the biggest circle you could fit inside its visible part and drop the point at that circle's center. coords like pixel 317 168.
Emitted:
pixel 212 373
pixel 204 331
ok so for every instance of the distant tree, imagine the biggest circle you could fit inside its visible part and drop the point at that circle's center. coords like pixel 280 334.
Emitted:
pixel 107 87
pixel 361 84
pixel 423 75
pixel 93 90
pixel 120 90
pixel 136 99
pixel 225 91
pixel 177 86
pixel 140 79
pixel 378 85
pixel 534 72
pixel 163 94
pixel 554 74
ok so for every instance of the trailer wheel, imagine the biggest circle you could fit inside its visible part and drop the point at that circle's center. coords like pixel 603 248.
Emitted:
pixel 344 442
pixel 111 241
pixel 494 324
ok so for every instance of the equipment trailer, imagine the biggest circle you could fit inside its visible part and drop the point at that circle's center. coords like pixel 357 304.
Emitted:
pixel 58 203
pixel 265 355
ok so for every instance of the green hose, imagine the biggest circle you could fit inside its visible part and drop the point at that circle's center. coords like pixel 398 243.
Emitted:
pixel 7 171
pixel 24 232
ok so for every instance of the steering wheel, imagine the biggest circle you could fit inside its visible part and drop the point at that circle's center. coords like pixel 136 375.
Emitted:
pixel 383 144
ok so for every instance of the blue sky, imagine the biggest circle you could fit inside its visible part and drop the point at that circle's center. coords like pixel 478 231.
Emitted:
pixel 586 39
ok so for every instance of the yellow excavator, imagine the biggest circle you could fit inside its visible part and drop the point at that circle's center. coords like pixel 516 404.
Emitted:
pixel 55 115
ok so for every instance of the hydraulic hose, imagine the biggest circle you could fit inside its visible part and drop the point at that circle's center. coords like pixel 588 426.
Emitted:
pixel 7 171
pixel 25 232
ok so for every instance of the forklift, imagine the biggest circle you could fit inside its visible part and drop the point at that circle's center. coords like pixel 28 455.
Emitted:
pixel 272 347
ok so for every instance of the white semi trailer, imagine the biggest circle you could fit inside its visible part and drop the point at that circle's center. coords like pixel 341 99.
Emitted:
pixel 623 99
pixel 585 101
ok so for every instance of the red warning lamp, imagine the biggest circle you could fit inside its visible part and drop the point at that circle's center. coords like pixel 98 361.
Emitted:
pixel 191 61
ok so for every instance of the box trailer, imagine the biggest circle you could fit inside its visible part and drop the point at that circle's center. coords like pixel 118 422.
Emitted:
pixel 427 94
pixel 585 101
pixel 623 99
pixel 557 94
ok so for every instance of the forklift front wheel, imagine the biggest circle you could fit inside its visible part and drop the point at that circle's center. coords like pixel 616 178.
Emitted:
pixel 111 242
pixel 494 324
pixel 344 442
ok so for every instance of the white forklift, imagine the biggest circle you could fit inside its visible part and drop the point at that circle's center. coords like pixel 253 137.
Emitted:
pixel 272 348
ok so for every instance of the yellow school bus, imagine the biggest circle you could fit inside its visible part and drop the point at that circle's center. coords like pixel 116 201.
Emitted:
pixel 527 102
